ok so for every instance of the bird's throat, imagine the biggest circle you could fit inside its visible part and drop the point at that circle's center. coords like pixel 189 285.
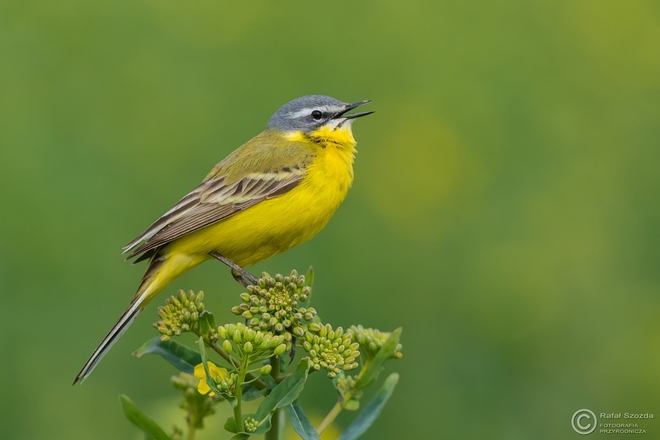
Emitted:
pixel 341 137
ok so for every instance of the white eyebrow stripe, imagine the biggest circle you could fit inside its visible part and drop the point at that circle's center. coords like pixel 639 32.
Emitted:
pixel 308 111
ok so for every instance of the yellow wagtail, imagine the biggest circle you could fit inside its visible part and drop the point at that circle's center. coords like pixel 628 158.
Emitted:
pixel 276 191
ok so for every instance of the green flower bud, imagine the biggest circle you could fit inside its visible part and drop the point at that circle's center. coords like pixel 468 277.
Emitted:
pixel 226 346
pixel 247 347
pixel 279 349
pixel 265 370
pixel 314 327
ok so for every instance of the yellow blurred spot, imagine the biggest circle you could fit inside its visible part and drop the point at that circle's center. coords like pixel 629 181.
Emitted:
pixel 618 35
pixel 414 171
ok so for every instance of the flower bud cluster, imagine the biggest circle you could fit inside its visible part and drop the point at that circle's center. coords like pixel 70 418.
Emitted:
pixel 371 340
pixel 332 350
pixel 345 383
pixel 195 404
pixel 250 424
pixel 251 343
pixel 177 433
pixel 227 384
pixel 179 314
pixel 350 394
pixel 272 305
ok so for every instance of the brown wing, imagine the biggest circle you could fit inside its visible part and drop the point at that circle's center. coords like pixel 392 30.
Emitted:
pixel 211 202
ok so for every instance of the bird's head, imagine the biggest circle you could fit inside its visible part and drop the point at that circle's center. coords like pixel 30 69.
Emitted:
pixel 317 117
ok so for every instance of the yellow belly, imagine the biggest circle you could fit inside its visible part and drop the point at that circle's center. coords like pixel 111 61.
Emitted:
pixel 275 225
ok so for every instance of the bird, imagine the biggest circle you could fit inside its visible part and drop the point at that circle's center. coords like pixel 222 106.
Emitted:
pixel 274 192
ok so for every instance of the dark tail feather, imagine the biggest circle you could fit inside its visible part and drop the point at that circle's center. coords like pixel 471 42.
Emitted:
pixel 125 320
pixel 142 297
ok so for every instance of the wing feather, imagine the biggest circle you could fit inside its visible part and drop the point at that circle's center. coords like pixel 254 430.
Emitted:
pixel 209 204
pixel 249 175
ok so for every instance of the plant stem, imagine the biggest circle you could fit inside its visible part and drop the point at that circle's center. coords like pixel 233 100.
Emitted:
pixel 274 433
pixel 191 432
pixel 238 414
pixel 332 415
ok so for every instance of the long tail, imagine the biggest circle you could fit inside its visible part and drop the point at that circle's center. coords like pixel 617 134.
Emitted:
pixel 125 320
pixel 151 284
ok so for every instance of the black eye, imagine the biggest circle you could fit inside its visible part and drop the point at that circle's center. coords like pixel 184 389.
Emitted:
pixel 317 114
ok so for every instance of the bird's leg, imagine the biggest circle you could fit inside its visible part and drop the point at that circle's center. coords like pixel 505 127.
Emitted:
pixel 239 278
pixel 241 275
pixel 292 353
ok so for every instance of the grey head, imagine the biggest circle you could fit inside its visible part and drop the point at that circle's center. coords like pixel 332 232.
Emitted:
pixel 311 112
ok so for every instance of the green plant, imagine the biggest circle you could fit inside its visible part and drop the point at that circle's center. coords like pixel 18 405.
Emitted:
pixel 255 357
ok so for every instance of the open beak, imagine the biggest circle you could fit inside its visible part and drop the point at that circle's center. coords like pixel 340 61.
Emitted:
pixel 350 107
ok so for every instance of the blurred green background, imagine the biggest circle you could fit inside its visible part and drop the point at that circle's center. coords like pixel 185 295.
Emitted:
pixel 505 209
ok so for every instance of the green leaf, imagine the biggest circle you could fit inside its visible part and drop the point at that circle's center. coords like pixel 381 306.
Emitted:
pixel 209 380
pixel 230 425
pixel 301 424
pixel 309 277
pixel 206 322
pixel 351 405
pixel 372 410
pixel 368 376
pixel 250 392
pixel 309 281
pixel 141 420
pixel 241 436
pixel 182 357
pixel 285 393
pixel 269 381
